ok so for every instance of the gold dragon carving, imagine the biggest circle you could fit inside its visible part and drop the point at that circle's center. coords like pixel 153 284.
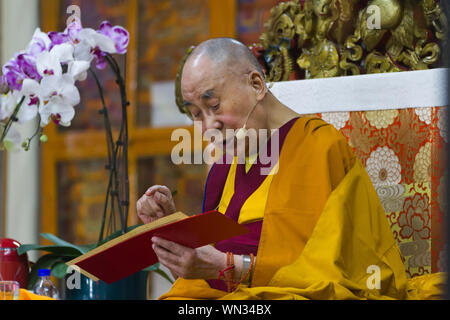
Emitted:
pixel 330 38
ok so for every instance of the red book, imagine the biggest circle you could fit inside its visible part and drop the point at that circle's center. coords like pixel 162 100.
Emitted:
pixel 132 252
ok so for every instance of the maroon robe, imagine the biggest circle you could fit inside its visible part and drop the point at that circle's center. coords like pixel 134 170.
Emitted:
pixel 245 185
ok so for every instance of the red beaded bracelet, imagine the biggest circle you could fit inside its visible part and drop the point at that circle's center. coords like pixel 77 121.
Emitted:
pixel 230 267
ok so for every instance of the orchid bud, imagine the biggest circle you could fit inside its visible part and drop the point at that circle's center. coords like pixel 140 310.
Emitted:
pixel 43 138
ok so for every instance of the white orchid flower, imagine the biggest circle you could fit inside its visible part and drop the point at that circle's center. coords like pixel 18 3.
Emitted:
pixel 65 53
pixel 59 95
pixel 78 69
pixel 39 43
pixel 88 41
pixel 8 103
pixel 48 63
pixel 29 109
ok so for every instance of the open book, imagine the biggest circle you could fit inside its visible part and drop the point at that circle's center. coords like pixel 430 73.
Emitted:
pixel 132 251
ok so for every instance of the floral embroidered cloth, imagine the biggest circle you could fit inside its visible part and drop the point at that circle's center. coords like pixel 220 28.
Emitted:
pixel 403 153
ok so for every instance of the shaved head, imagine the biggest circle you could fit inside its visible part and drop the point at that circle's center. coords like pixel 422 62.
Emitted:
pixel 221 86
pixel 229 53
pixel 221 83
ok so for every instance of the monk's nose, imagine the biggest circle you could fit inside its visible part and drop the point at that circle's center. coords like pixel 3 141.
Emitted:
pixel 210 123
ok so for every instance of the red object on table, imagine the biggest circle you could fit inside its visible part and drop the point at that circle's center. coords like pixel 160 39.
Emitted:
pixel 13 266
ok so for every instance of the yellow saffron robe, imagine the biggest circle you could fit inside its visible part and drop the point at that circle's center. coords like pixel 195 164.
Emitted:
pixel 324 231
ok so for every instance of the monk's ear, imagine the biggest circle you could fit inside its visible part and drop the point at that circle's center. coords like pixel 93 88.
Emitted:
pixel 258 84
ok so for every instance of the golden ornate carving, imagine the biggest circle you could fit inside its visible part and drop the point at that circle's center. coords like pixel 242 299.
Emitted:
pixel 178 96
pixel 329 38
pixel 321 61
pixel 284 25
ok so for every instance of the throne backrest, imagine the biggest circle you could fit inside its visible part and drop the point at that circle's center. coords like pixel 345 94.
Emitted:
pixel 401 144
pixel 394 122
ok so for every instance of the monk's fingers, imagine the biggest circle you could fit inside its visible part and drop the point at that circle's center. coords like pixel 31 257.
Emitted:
pixel 165 202
pixel 171 246
pixel 163 189
pixel 155 210
pixel 166 191
pixel 142 206
pixel 152 189
pixel 180 265
pixel 140 203
pixel 147 208
pixel 167 258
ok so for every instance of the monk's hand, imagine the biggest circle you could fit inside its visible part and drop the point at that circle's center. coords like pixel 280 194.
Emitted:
pixel 156 203
pixel 201 263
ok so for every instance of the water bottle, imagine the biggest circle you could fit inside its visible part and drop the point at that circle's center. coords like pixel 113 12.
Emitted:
pixel 44 286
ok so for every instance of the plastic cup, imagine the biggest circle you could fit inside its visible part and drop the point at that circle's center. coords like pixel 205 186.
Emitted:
pixel 9 290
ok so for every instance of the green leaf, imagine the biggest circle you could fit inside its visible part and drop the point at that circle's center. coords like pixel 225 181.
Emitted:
pixel 45 262
pixel 56 249
pixel 62 242
pixel 164 275
pixel 59 270
pixel 87 247
pixel 117 234
pixel 153 267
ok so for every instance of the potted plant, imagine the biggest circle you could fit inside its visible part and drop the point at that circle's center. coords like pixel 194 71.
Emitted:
pixel 56 256
pixel 41 82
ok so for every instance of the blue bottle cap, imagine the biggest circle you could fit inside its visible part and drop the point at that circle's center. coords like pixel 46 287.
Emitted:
pixel 43 272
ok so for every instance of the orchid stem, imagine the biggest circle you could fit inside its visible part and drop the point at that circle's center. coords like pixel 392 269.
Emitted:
pixel 38 131
pixel 122 142
pixel 11 119
pixel 117 154
pixel 111 163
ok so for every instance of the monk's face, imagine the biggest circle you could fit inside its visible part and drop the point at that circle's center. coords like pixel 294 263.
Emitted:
pixel 220 96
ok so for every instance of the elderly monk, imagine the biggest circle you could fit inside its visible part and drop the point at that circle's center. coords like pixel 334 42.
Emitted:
pixel 317 228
